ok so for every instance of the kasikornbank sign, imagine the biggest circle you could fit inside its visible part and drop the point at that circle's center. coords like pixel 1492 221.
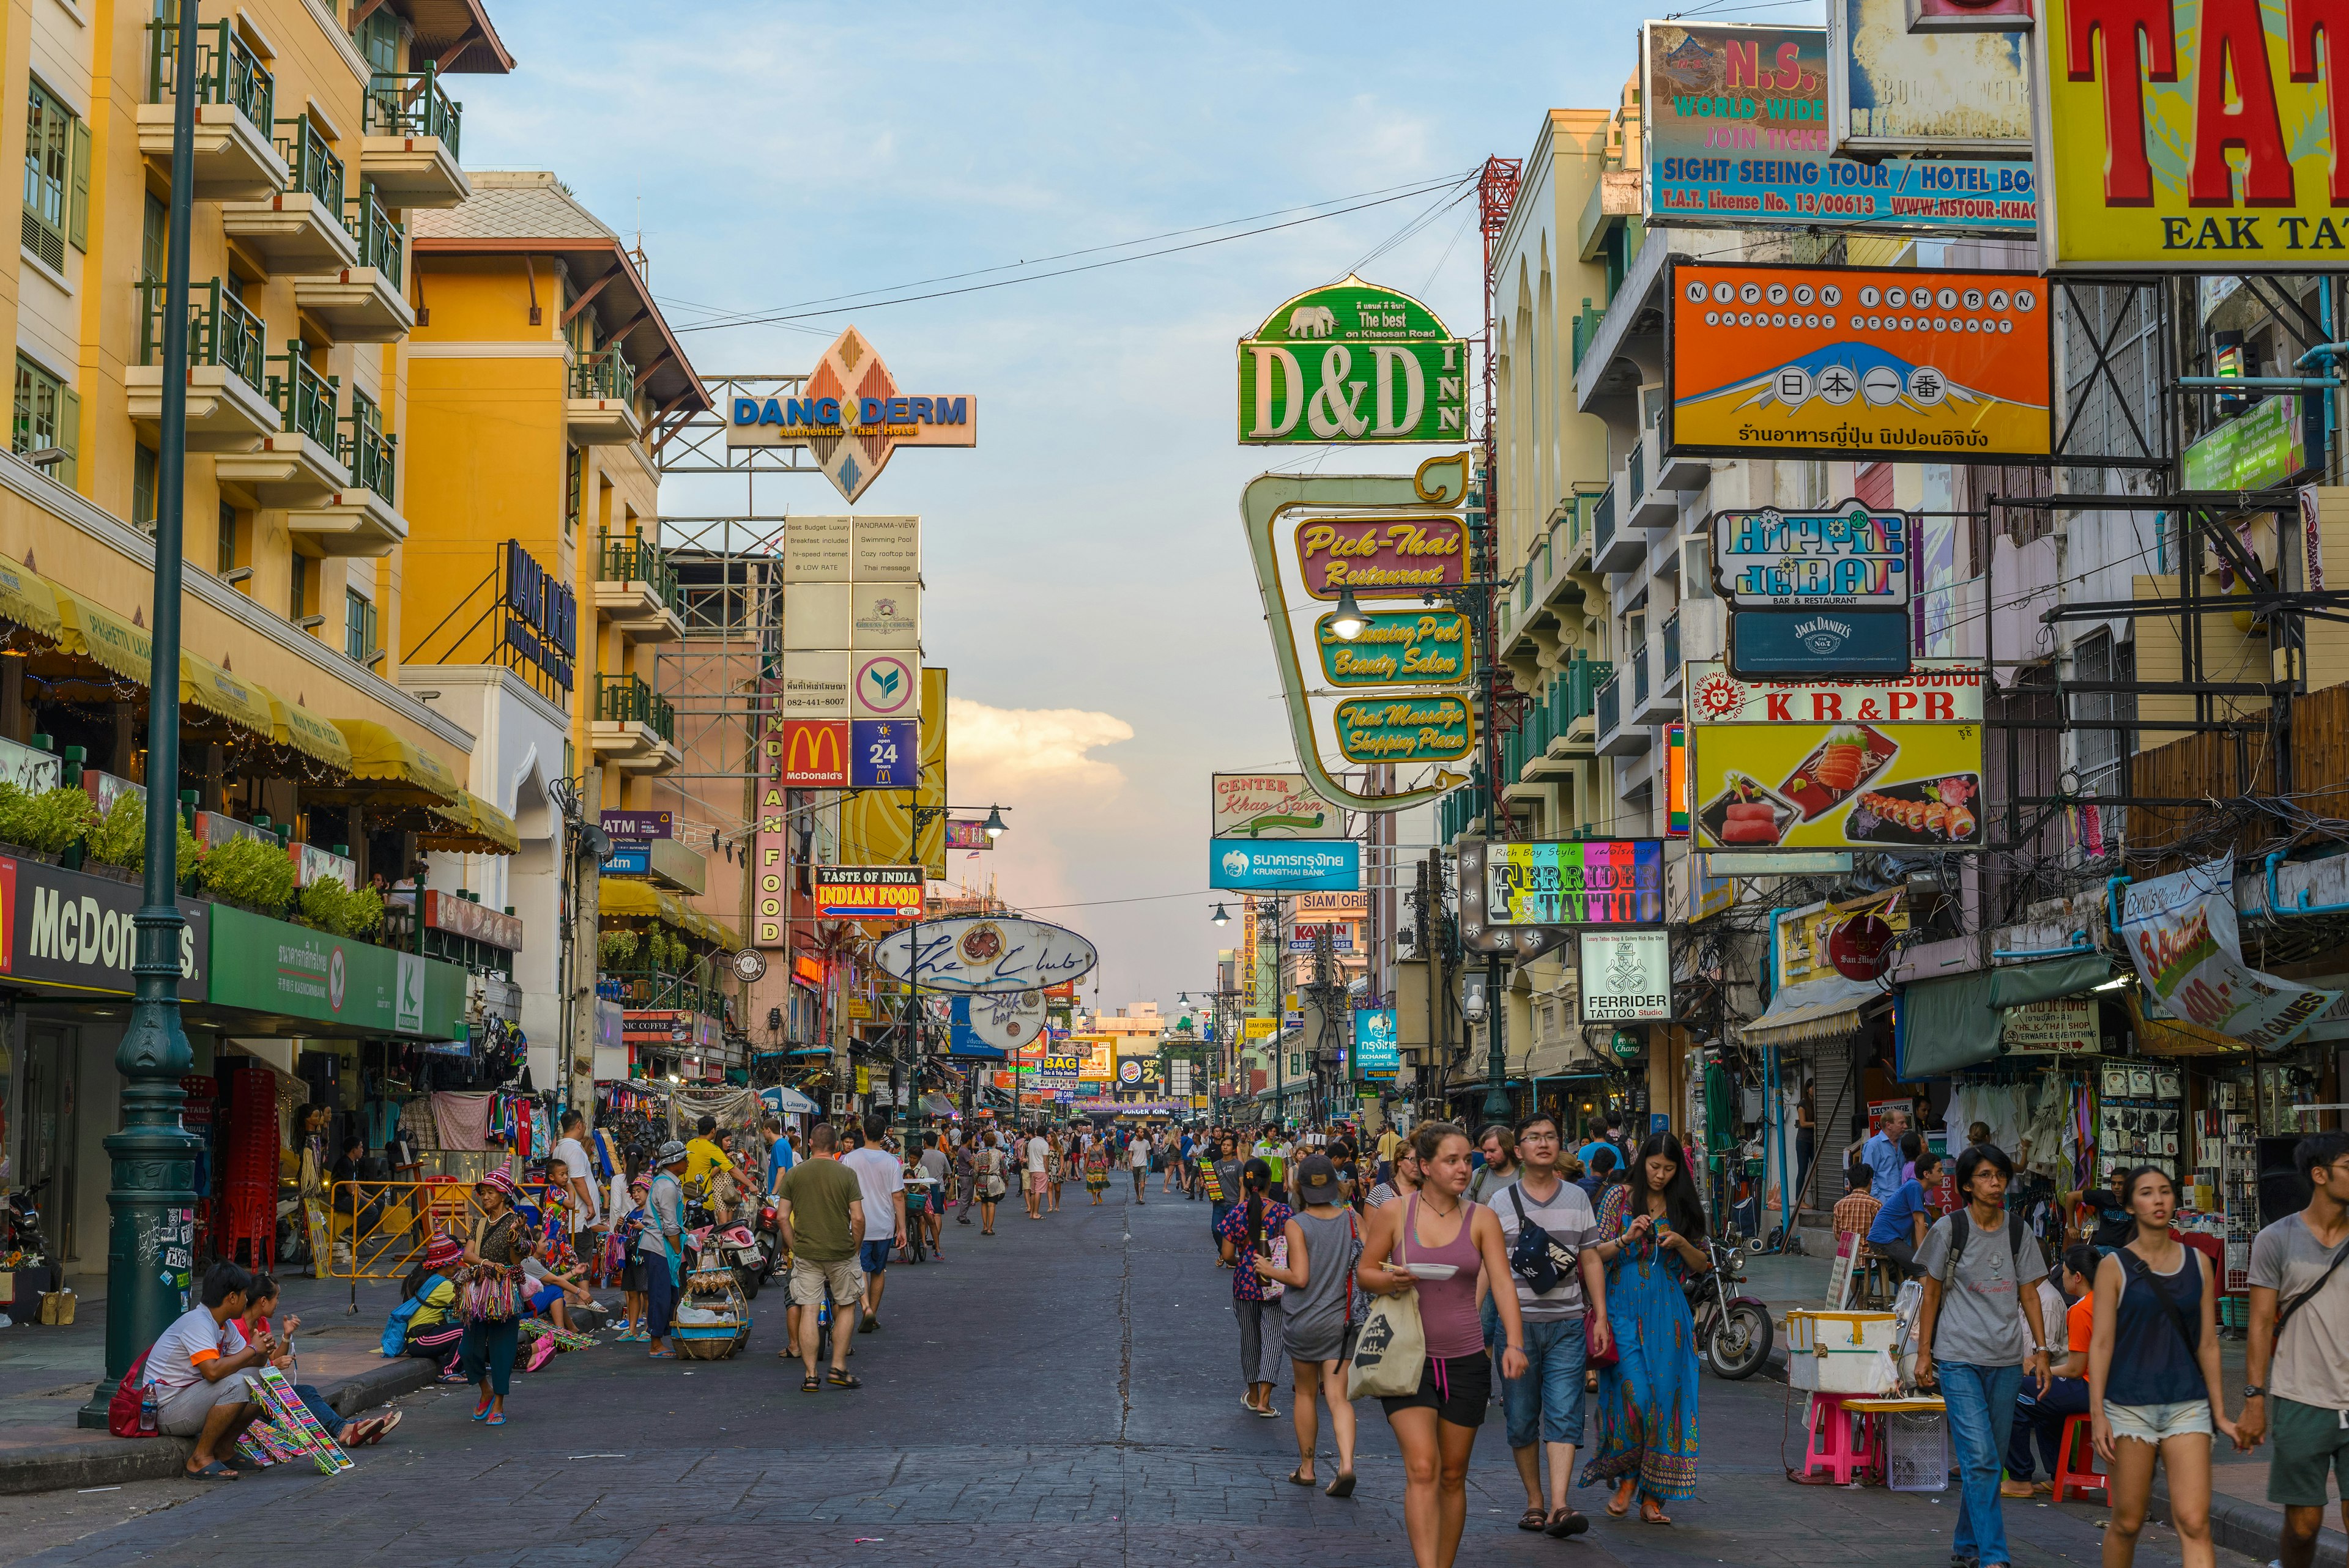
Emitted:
pixel 64 930
pixel 275 966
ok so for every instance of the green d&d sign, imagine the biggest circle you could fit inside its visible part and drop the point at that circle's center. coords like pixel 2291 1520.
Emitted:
pixel 1352 363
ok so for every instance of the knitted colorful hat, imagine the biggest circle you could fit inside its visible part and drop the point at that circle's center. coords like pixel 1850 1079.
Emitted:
pixel 446 1251
pixel 502 1184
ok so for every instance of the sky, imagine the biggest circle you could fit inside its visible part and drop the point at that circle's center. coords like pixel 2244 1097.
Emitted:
pixel 1086 580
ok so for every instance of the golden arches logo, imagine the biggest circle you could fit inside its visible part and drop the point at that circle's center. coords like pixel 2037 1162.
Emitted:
pixel 815 751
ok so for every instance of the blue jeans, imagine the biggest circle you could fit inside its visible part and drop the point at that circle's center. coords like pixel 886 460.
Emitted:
pixel 1488 1313
pixel 2043 1417
pixel 1547 1402
pixel 1980 1402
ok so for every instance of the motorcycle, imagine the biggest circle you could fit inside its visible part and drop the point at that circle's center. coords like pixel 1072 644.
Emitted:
pixel 23 1222
pixel 1732 1332
pixel 750 1254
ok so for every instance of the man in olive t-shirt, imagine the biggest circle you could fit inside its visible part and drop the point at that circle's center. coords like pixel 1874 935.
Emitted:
pixel 820 1206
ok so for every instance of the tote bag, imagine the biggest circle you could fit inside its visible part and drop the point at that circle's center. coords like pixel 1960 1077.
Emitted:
pixel 1391 1351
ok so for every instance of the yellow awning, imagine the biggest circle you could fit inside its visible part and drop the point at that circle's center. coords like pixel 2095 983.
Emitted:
pixel 632 898
pixel 627 898
pixel 28 599
pixel 99 633
pixel 296 726
pixel 205 685
pixel 376 753
pixel 478 827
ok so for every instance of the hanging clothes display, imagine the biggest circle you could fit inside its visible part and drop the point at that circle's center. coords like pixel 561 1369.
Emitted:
pixel 462 1119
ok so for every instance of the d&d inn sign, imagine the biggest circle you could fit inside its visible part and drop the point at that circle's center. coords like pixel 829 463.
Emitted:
pixel 1352 363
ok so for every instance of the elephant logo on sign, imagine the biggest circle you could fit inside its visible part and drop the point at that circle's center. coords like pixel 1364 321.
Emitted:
pixel 1311 320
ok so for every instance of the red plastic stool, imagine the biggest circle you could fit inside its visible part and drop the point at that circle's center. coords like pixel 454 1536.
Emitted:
pixel 1830 1446
pixel 2076 1432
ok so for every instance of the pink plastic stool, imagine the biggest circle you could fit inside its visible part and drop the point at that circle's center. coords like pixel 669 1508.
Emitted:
pixel 1831 1446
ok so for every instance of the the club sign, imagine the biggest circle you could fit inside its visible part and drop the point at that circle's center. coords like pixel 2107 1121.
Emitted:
pixel 985 954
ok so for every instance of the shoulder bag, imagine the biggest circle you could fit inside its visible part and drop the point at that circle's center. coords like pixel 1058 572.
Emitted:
pixel 2132 1263
pixel 1391 1352
pixel 2284 1314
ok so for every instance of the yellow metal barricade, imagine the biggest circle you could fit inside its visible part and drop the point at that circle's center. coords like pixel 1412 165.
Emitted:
pixel 379 1229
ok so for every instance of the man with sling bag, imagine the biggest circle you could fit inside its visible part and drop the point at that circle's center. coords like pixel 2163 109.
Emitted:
pixel 2296 1367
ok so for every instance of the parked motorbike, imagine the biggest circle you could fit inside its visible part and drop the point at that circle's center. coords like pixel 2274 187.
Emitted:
pixel 1732 1330
pixel 24 1221
pixel 750 1254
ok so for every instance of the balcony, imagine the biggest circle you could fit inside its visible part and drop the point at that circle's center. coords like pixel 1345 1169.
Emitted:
pixel 632 728
pixel 409 150
pixel 1672 653
pixel 1649 704
pixel 235 100
pixel 1613 548
pixel 1617 738
pixel 296 465
pixel 601 406
pixel 300 228
pixel 362 518
pixel 1650 508
pixel 636 587
pixel 228 411
pixel 363 300
pixel 1574 702
pixel 1570 534
pixel 1681 472
pixel 1586 328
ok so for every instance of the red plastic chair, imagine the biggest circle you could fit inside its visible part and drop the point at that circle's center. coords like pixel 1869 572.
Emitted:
pixel 2078 1435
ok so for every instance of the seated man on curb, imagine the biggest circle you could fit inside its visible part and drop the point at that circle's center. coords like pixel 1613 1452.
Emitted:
pixel 198 1370
pixel 2042 1415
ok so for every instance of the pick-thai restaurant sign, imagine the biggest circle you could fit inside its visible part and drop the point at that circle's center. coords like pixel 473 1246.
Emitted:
pixel 1352 363
pixel 1396 648
pixel 2182 936
pixel 2192 136
pixel 66 932
pixel 1270 806
pixel 1851 557
pixel 1381 557
pixel 1736 131
pixel 1858 362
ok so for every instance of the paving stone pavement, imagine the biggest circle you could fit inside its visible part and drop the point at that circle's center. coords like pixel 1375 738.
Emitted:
pixel 1063 1394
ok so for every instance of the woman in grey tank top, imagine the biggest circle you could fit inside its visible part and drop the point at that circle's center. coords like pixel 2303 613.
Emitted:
pixel 1318 1313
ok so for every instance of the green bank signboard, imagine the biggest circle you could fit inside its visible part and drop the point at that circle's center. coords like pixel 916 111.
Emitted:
pixel 272 967
pixel 1352 363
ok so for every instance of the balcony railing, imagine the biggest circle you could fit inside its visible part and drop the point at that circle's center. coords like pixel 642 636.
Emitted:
pixel 1635 467
pixel 221 330
pixel 1602 523
pixel 367 451
pixel 604 374
pixel 228 71
pixel 1583 680
pixel 632 560
pixel 661 989
pixel 625 699
pixel 1671 647
pixel 311 167
pixel 1640 676
pixel 1610 704
pixel 1586 329
pixel 403 103
pixel 306 400
pixel 381 239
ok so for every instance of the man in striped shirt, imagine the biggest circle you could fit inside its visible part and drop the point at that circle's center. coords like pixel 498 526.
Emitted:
pixel 1856 1210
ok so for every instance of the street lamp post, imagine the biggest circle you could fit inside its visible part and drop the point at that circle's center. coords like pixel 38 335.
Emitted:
pixel 910 1017
pixel 151 1202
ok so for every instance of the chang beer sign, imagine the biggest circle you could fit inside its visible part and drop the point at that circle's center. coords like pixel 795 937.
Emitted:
pixel 1352 363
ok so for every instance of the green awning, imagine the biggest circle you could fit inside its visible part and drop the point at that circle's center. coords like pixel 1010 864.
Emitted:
pixel 1946 1024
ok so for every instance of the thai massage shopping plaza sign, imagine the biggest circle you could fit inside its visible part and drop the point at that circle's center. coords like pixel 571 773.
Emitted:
pixel 851 414
pixel 1352 363
pixel 2195 136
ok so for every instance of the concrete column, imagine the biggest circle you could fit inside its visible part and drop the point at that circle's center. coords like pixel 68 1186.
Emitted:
pixel 579 1053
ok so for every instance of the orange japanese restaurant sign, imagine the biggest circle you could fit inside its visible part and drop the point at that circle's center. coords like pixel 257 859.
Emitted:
pixel 1858 362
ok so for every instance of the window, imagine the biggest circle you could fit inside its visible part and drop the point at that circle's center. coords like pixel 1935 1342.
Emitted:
pixel 56 179
pixel 48 415
pixel 379 40
pixel 143 486
pixel 228 538
pixel 575 474
pixel 359 625
pixel 297 599
pixel 155 240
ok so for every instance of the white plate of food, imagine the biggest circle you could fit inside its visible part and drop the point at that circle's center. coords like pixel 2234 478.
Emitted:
pixel 1430 1270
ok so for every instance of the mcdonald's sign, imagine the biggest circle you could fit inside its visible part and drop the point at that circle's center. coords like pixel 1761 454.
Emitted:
pixel 810 753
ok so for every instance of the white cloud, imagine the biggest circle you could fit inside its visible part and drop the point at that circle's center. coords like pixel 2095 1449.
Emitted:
pixel 1005 751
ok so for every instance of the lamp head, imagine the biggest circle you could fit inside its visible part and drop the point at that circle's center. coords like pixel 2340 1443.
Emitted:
pixel 995 824
pixel 1221 916
pixel 1349 622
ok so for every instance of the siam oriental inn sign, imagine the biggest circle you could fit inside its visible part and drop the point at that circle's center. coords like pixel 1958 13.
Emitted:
pixel 853 414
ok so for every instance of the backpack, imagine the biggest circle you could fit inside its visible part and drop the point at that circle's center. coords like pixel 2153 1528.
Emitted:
pixel 122 1410
pixel 395 1328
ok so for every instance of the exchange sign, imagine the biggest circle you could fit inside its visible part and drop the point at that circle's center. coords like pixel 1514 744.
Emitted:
pixel 1736 132
pixel 1406 730
pixel 1856 362
pixel 1397 648
pixel 2194 136
pixel 1352 363
pixel 1381 557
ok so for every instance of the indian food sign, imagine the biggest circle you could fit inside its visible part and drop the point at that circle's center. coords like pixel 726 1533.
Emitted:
pixel 2193 136
pixel 1895 763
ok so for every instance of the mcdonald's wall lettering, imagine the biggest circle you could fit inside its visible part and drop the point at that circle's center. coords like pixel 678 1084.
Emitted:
pixel 808 753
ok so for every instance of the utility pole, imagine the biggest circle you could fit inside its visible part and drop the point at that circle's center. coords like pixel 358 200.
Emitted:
pixel 586 872
pixel 150 1201
pixel 1482 596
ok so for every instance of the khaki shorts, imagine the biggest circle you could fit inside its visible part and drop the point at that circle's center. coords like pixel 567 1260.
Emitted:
pixel 183 1411
pixel 1036 1181
pixel 839 1276
pixel 2307 1441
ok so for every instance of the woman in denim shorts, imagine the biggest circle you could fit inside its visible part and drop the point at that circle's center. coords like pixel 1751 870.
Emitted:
pixel 2153 1374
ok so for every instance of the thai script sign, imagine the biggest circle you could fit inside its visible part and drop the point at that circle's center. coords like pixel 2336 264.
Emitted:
pixel 1381 557
pixel 2194 136
pixel 637 824
pixel 2183 936
pixel 1248 865
pixel 1735 127
pixel 1848 558
pixel 1396 648
pixel 1858 362
pixel 1943 690
pixel 1352 363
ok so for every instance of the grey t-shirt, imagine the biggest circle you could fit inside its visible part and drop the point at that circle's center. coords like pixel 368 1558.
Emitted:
pixel 1571 1224
pixel 1981 1318
pixel 933 1164
pixel 2312 1355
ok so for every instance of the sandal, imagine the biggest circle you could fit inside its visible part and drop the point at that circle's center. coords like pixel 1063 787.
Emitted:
pixel 660 1355
pixel 840 1379
pixel 213 1471
pixel 1564 1521
pixel 384 1426
pixel 497 1420
pixel 812 1383
pixel 1341 1487
pixel 1299 1478
pixel 1659 1517
pixel 1533 1518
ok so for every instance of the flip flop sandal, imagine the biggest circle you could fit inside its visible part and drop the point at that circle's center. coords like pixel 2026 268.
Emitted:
pixel 384 1426
pixel 661 1356
pixel 1533 1518
pixel 844 1380
pixel 213 1471
pixel 482 1411
pixel 1343 1486
pixel 1618 1509
pixel 812 1383
pixel 1655 1519
pixel 1299 1478
pixel 497 1420
pixel 1564 1522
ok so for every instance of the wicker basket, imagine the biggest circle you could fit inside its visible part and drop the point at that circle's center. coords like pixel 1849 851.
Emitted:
pixel 712 1343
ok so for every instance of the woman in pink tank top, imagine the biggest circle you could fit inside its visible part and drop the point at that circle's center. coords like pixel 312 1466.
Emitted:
pixel 1436 1426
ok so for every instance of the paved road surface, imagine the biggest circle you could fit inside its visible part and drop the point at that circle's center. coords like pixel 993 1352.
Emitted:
pixel 1066 1393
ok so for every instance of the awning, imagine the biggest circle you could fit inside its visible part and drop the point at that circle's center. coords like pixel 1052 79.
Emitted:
pixel 1814 1009
pixel 377 754
pixel 1956 1021
pixel 471 825
pixel 298 727
pixel 792 1100
pixel 204 684
pixel 28 599
pixel 632 898
pixel 99 633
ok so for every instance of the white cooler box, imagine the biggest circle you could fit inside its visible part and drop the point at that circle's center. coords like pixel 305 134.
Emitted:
pixel 1841 1352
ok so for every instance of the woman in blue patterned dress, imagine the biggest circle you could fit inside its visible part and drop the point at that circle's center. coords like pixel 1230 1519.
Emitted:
pixel 1651 1231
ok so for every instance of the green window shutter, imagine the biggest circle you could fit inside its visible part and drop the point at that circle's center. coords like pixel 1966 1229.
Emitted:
pixel 78 218
pixel 68 435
